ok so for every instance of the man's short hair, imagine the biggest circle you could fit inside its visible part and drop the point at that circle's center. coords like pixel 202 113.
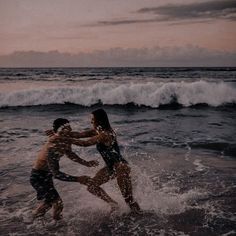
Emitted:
pixel 58 123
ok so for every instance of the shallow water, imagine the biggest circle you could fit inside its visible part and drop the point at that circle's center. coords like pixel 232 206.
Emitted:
pixel 183 188
pixel 182 158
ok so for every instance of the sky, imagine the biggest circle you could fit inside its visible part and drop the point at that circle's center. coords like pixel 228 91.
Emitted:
pixel 102 32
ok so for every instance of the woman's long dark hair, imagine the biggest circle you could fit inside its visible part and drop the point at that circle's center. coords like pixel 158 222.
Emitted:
pixel 101 119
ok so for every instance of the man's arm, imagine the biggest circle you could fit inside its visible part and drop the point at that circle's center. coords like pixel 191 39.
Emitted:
pixel 53 164
pixel 74 157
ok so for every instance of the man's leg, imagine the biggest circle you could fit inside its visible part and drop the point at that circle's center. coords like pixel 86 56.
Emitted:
pixel 42 209
pixel 57 207
pixel 52 197
pixel 37 180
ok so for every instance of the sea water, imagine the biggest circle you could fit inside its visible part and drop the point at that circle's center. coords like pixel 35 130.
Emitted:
pixel 175 126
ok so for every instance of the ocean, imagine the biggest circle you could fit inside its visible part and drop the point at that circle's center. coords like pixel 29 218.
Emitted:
pixel 175 126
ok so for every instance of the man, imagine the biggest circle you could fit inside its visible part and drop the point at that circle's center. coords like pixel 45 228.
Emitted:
pixel 47 166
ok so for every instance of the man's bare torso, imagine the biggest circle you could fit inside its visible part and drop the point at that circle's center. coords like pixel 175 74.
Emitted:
pixel 55 143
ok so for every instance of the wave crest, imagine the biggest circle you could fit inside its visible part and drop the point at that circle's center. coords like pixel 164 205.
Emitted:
pixel 142 94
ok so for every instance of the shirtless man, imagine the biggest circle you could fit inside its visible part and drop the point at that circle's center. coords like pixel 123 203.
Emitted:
pixel 47 166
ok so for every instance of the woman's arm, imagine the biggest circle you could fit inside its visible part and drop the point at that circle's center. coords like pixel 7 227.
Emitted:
pixel 83 134
pixel 85 143
pixel 74 134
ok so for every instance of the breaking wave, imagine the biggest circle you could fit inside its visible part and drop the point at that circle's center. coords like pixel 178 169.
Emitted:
pixel 148 94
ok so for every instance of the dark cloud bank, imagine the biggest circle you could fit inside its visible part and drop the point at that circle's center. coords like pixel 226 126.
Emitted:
pixel 169 56
pixel 225 9
pixel 200 12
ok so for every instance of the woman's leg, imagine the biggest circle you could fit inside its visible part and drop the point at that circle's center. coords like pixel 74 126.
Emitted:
pixel 125 185
pixel 94 183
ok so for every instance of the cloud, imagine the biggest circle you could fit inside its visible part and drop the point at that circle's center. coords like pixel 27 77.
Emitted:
pixel 122 22
pixel 167 56
pixel 223 9
pixel 199 12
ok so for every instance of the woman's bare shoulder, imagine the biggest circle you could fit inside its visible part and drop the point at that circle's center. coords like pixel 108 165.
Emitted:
pixel 106 137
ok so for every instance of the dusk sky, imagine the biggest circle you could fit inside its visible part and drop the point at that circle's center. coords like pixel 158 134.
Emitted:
pixel 129 28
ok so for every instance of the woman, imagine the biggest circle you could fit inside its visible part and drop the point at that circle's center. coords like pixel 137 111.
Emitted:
pixel 103 136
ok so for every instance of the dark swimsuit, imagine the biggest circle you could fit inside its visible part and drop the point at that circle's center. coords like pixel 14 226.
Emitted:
pixel 111 154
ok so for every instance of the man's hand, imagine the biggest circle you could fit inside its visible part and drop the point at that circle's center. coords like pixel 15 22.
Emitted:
pixel 49 132
pixel 83 179
pixel 92 163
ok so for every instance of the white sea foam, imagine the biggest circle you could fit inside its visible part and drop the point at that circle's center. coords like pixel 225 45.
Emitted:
pixel 148 94
pixel 199 165
pixel 165 200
